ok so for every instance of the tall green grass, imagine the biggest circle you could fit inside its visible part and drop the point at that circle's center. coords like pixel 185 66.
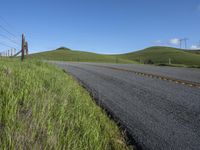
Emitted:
pixel 43 108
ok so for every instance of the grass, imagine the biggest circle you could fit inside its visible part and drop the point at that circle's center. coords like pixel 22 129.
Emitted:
pixel 43 108
pixel 161 55
pixel 179 65
pixel 193 51
pixel 64 54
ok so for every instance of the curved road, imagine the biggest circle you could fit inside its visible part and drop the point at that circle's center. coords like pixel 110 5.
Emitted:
pixel 158 114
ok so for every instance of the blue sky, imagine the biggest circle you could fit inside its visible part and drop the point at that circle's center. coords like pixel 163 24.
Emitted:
pixel 102 26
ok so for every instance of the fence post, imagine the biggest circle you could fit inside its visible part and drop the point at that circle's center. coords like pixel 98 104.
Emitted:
pixel 26 43
pixel 23 42
pixel 169 61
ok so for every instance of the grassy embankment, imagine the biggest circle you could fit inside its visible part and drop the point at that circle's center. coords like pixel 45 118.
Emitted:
pixel 43 108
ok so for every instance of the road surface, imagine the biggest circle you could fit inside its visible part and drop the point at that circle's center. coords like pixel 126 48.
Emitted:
pixel 158 114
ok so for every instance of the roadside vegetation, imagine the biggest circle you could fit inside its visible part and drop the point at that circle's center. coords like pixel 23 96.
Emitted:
pixel 193 51
pixel 41 107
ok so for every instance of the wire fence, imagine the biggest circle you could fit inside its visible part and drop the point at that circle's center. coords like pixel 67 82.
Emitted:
pixel 11 44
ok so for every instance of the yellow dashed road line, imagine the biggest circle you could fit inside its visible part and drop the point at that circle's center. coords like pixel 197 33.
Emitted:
pixel 169 79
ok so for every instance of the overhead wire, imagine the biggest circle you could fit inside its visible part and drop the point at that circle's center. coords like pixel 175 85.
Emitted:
pixel 5 45
pixel 11 40
pixel 6 30
pixel 8 36
pixel 3 28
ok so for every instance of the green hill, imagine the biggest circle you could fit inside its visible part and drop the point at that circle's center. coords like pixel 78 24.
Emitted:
pixel 161 55
pixel 65 54
pixel 156 55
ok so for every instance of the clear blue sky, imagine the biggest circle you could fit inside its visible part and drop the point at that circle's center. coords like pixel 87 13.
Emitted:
pixel 103 26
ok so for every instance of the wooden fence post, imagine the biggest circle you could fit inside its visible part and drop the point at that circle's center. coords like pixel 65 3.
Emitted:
pixel 26 43
pixel 23 42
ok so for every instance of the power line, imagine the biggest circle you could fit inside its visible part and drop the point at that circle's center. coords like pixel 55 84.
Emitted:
pixel 11 40
pixel 5 21
pixel 6 30
pixel 6 45
pixel 12 44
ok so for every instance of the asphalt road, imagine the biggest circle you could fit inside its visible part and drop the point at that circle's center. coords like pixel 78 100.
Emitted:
pixel 157 113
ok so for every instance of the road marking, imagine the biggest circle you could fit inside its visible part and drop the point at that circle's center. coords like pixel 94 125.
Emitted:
pixel 164 78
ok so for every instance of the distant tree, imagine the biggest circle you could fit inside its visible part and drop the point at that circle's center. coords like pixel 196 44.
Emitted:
pixel 63 48
pixel 149 61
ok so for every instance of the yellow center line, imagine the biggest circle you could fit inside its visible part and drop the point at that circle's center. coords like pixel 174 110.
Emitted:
pixel 169 79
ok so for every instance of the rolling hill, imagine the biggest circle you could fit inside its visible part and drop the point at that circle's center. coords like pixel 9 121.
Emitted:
pixel 157 55
pixel 161 55
pixel 65 54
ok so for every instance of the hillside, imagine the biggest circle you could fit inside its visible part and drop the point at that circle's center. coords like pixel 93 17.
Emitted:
pixel 161 55
pixel 193 51
pixel 157 55
pixel 65 54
